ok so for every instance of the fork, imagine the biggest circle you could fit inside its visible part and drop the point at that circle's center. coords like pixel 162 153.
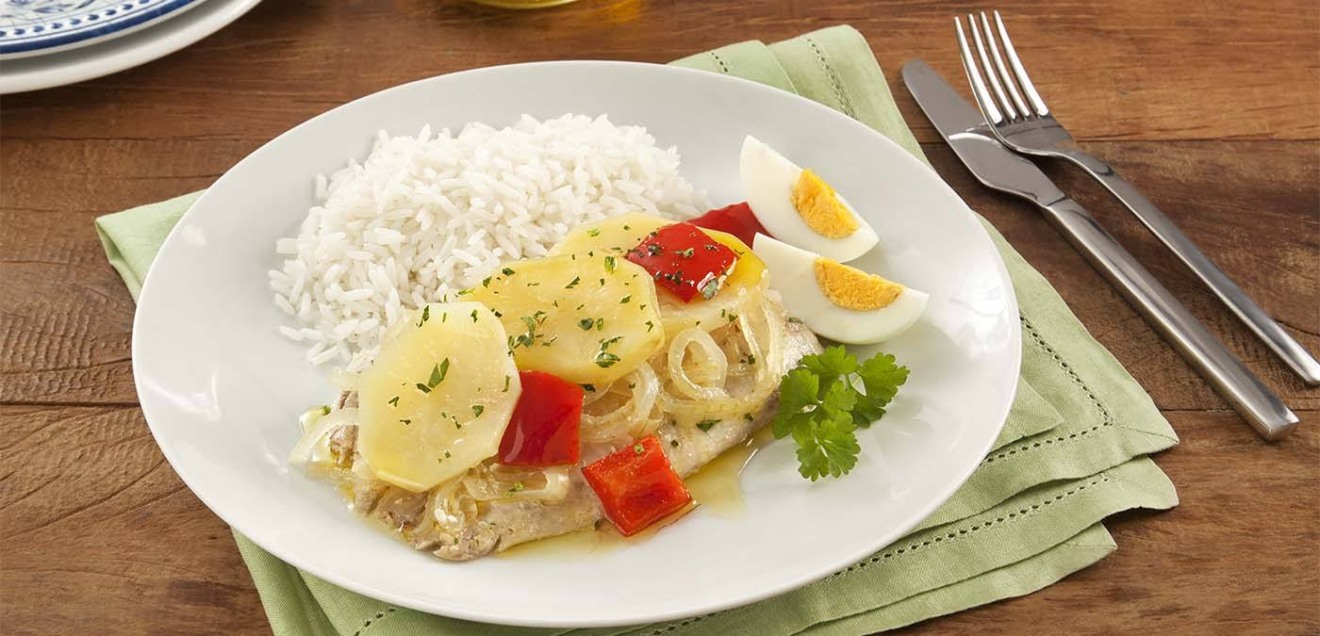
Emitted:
pixel 1021 120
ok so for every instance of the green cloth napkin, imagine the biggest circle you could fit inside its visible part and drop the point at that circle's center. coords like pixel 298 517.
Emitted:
pixel 1072 453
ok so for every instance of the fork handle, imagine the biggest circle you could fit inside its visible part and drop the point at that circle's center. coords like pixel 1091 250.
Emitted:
pixel 1260 322
pixel 1229 377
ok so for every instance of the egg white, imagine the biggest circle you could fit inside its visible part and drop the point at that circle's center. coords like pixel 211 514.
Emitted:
pixel 768 179
pixel 791 271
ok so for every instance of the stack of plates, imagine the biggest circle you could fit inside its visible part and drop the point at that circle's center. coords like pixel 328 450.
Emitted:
pixel 45 43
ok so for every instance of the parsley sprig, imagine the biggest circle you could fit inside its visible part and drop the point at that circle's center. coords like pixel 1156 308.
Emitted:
pixel 821 407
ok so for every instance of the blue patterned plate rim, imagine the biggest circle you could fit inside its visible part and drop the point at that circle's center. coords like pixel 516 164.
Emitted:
pixel 33 25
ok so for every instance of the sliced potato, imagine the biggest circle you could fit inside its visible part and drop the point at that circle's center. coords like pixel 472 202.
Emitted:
pixel 616 234
pixel 436 400
pixel 589 318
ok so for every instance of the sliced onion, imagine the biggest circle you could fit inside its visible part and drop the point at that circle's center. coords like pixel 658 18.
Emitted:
pixel 760 325
pixel 622 423
pixel 709 364
pixel 512 483
pixel 314 446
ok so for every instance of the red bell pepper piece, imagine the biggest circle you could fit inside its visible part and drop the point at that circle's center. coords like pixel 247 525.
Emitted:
pixel 637 486
pixel 684 260
pixel 544 428
pixel 736 219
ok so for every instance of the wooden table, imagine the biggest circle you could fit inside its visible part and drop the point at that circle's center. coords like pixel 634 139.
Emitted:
pixel 1214 112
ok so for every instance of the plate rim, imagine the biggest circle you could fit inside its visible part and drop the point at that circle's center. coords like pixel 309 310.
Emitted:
pixel 112 55
pixel 92 33
pixel 924 511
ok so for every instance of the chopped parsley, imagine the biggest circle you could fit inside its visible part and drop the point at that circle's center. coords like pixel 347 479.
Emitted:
pixel 438 373
pixel 573 283
pixel 474 315
pixel 586 324
pixel 507 271
pixel 706 425
pixel 610 264
pixel 478 409
pixel 593 232
pixel 426 315
pixel 394 401
pixel 687 253
pixel 624 300
pixel 605 359
pixel 709 289
pixel 528 339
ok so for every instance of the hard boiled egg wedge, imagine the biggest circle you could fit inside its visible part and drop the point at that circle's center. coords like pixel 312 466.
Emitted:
pixel 836 301
pixel 798 207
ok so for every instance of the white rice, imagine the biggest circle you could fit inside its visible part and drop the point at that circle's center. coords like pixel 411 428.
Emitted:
pixel 425 216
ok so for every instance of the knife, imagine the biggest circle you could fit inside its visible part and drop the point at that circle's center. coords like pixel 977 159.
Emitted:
pixel 964 128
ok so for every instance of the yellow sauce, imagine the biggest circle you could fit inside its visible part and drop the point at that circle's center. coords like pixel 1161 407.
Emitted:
pixel 717 486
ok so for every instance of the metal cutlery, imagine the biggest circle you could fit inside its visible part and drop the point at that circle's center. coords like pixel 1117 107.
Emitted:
pixel 1023 122
pixel 964 128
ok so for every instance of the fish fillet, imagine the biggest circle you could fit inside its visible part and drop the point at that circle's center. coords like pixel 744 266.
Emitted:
pixel 467 530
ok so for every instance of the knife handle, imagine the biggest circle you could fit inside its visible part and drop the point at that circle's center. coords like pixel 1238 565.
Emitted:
pixel 1229 377
pixel 1251 314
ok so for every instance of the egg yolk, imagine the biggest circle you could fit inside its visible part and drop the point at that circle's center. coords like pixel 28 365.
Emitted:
pixel 820 207
pixel 852 288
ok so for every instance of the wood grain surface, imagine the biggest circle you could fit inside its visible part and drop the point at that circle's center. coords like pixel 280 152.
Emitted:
pixel 1212 109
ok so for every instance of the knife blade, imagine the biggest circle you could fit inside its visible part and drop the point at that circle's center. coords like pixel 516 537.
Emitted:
pixel 965 130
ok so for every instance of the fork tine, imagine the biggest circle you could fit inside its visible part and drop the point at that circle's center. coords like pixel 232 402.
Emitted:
pixel 983 98
pixel 1006 105
pixel 1003 70
pixel 1021 73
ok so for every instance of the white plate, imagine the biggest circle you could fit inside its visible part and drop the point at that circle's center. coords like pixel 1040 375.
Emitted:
pixel 157 39
pixel 222 391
